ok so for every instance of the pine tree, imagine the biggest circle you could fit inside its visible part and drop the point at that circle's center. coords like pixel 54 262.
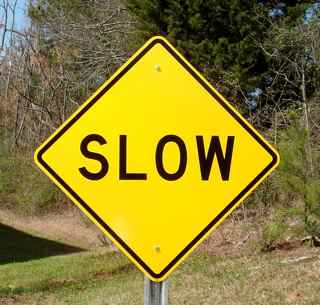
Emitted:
pixel 221 38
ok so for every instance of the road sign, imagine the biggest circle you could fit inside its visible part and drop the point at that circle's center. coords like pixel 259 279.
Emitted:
pixel 157 158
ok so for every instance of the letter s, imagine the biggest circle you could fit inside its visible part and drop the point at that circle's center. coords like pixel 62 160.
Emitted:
pixel 95 156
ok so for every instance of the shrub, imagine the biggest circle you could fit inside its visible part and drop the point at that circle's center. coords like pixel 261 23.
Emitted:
pixel 22 187
pixel 295 187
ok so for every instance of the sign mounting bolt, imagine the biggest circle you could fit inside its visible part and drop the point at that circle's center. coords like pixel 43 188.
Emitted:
pixel 157 248
pixel 158 68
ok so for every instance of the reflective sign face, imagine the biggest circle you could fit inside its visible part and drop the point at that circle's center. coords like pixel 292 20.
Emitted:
pixel 157 158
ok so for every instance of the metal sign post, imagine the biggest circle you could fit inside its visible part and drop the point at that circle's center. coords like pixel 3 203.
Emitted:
pixel 155 293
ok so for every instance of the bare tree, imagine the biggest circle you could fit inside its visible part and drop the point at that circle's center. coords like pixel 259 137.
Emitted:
pixel 7 26
pixel 58 61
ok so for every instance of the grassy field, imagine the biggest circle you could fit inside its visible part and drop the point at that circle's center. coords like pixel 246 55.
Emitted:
pixel 38 271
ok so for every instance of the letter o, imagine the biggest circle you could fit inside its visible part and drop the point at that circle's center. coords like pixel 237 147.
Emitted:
pixel 183 157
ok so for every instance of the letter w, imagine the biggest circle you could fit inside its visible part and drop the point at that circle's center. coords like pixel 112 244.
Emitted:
pixel 224 161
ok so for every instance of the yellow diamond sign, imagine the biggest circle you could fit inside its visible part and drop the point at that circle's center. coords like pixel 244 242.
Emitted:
pixel 157 158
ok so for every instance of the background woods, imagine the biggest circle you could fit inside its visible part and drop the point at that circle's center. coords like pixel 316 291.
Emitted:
pixel 50 68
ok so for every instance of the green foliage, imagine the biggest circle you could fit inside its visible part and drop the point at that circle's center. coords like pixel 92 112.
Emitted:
pixel 290 198
pixel 222 38
pixel 297 179
pixel 22 187
pixel 274 230
pixel 312 201
pixel 216 35
pixel 295 172
pixel 292 148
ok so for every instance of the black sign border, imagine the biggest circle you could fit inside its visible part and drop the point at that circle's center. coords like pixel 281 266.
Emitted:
pixel 40 159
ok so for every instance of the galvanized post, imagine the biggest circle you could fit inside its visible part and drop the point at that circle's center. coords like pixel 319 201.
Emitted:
pixel 155 293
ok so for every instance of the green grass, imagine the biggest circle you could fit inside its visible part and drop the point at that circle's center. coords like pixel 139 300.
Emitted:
pixel 72 279
pixel 23 188
pixel 102 277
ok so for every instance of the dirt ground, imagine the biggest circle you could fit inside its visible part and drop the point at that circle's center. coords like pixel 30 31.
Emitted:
pixel 70 227
pixel 73 228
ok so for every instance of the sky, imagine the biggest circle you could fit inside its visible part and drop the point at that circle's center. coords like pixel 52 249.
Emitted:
pixel 312 11
pixel 21 19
